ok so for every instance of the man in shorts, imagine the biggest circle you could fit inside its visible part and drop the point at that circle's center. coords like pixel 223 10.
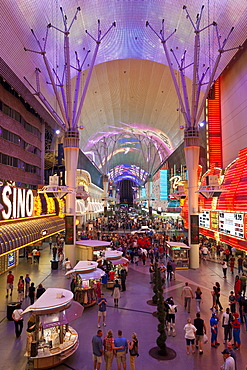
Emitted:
pixel 102 302
pixel 200 330
pixel 121 352
pixel 10 281
pixel 97 349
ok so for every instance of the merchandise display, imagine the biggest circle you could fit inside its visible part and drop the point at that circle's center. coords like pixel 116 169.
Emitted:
pixel 54 340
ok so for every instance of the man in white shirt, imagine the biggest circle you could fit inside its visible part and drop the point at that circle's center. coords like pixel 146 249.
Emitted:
pixel 229 363
pixel 187 294
pixel 18 320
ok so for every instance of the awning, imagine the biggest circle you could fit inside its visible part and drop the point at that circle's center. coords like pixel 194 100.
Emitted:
pixel 120 261
pixel 177 245
pixel 64 317
pixel 15 234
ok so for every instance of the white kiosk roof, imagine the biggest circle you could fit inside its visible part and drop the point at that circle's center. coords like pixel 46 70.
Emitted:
pixel 52 298
pixel 93 243
pixel 177 245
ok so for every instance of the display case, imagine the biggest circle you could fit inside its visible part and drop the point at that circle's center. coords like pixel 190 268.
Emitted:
pixel 179 253
pixel 86 275
pixel 53 340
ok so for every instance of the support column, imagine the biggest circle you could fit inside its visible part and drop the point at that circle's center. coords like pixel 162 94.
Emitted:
pixel 71 151
pixel 42 169
pixel 114 196
pixel 105 187
pixel 192 149
pixel 149 194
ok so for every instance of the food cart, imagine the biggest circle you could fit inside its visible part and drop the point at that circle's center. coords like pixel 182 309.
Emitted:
pixel 86 276
pixel 90 250
pixel 54 340
pixel 179 253
pixel 117 261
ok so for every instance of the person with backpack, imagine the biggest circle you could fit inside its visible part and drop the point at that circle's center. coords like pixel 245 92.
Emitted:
pixel 133 350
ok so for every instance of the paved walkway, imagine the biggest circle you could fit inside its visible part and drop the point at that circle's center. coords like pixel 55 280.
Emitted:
pixel 133 314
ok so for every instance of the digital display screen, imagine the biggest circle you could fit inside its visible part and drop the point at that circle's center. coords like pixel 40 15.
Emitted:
pixel 11 259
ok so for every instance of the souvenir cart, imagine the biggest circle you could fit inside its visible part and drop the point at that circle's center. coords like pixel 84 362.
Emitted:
pixel 179 253
pixel 90 250
pixel 86 274
pixel 54 340
pixel 117 261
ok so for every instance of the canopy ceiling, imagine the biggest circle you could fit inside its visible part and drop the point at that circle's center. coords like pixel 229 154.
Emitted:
pixel 131 88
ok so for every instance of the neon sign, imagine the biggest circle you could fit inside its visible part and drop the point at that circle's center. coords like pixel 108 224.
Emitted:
pixel 16 202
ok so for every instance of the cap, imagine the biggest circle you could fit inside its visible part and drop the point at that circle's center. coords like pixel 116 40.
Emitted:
pixel 213 313
pixel 235 314
pixel 225 352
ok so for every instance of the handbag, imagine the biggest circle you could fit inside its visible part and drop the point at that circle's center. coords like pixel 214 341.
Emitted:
pixel 205 338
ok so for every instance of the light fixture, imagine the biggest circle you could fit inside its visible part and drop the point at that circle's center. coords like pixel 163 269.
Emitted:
pixel 202 124
pixel 57 132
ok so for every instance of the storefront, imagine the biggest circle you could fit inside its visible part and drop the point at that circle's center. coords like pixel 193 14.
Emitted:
pixel 25 219
pixel 54 340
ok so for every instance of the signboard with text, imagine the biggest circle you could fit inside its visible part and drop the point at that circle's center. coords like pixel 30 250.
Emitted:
pixel 204 220
pixel 231 223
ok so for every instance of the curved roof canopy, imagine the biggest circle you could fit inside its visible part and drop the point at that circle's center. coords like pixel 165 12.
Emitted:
pixel 131 86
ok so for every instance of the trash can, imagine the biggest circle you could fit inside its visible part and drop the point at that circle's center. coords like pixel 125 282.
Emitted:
pixel 11 307
pixel 54 265
pixel 34 349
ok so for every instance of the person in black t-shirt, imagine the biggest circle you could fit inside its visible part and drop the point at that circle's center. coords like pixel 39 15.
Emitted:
pixel 200 331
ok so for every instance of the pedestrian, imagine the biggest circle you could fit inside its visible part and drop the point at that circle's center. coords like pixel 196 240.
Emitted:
pixel 133 350
pixel 218 304
pixel 240 264
pixel 37 255
pixel 200 331
pixel 190 334
pixel 214 330
pixel 232 264
pixel 170 317
pixel 31 327
pixel 27 284
pixel 31 293
pixel 236 331
pixel 243 284
pixel 97 349
pixel 122 345
pixel 227 319
pixel 198 298
pixel 245 312
pixel 17 316
pixel 224 268
pixel 232 353
pixel 187 295
pixel 34 255
pixel 173 264
pixel 20 289
pixel 50 242
pixel 67 266
pixel 232 302
pixel 54 252
pixel 10 284
pixel 237 287
pixel 214 297
pixel 169 270
pixel 40 290
pixel 116 293
pixel 151 272
pixel 102 302
pixel 108 350
pixel 123 275
pixel 229 363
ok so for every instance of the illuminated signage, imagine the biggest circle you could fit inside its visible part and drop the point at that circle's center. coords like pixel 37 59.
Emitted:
pixel 16 202
pixel 204 219
pixel 214 220
pixel 231 223
pixel 11 259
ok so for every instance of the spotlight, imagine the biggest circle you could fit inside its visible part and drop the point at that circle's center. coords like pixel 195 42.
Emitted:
pixel 57 132
pixel 201 124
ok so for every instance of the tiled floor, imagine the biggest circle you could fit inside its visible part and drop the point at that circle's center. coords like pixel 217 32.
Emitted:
pixel 133 314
